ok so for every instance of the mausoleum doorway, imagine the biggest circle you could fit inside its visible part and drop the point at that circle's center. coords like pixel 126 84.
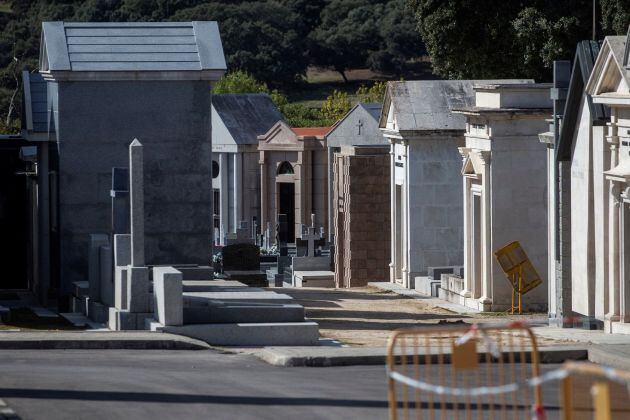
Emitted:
pixel 14 218
pixel 286 205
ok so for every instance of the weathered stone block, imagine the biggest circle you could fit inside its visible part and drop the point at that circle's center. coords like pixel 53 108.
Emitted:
pixel 168 295
pixel 97 240
pixel 138 289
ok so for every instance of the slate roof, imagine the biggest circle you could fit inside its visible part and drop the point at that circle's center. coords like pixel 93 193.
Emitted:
pixel 35 102
pixel 427 105
pixel 247 115
pixel 374 109
pixel 583 63
pixel 131 46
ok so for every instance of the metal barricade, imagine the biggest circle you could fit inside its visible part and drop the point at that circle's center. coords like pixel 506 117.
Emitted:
pixel 478 372
pixel 594 392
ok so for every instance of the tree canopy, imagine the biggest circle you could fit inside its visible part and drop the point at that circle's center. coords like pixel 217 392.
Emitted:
pixel 499 39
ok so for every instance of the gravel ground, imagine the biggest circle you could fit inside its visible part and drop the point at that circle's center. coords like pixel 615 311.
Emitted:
pixel 367 316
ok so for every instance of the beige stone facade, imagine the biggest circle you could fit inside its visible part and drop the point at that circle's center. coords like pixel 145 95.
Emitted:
pixel 293 176
pixel 361 215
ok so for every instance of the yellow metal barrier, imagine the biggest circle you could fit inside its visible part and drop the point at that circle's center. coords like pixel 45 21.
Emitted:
pixel 463 372
pixel 594 392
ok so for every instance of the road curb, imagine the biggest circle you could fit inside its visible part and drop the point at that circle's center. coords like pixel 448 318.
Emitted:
pixel 138 340
pixel 353 356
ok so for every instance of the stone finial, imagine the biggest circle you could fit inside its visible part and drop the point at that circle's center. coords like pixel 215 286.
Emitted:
pixel 136 194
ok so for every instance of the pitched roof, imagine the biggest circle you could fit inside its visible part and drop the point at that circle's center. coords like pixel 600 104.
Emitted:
pixel 374 109
pixel 583 63
pixel 426 105
pixel 246 115
pixel 310 131
pixel 131 47
pixel 35 103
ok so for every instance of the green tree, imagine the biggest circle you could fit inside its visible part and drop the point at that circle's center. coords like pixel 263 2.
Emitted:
pixel 374 93
pixel 258 37
pixel 336 106
pixel 497 38
pixel 348 29
pixel 239 82
pixel 615 16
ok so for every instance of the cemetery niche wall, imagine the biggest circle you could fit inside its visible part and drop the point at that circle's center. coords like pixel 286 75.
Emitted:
pixel 108 83
pixel 504 193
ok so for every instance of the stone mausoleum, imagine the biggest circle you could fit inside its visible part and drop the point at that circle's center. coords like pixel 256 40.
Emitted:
pixel 504 193
pixel 237 121
pixel 609 85
pixel 106 84
pixel 293 176
pixel 426 200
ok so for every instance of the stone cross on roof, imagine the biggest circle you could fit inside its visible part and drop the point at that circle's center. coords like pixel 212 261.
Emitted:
pixel 310 234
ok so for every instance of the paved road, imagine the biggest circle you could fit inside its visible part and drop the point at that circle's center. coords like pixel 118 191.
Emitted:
pixel 156 384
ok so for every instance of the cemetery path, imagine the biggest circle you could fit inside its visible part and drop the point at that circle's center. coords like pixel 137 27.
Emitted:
pixel 366 316
pixel 107 384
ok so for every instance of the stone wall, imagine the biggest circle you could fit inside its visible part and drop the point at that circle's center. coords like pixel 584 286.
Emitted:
pixel 97 121
pixel 361 216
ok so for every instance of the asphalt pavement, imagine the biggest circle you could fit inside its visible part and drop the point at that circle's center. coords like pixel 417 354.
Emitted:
pixel 162 384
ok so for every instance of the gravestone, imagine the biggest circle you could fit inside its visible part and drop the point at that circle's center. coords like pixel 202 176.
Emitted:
pixel 311 269
pixel 241 262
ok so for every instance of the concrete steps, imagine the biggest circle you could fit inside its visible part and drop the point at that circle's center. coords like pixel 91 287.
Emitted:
pixel 247 334
pixel 222 313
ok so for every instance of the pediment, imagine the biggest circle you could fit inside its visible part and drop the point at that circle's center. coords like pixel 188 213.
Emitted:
pixel 281 135
pixel 609 76
pixel 473 163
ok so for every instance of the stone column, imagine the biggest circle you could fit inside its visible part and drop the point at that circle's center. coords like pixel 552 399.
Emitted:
pixel 136 193
pixel 238 188
pixel 264 218
pixel 405 218
pixel 467 228
pixel 392 209
pixel 225 207
pixel 486 230
pixel 613 245
pixel 331 178
pixel 624 264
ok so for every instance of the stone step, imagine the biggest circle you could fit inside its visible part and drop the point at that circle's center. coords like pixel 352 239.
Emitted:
pixel 247 334
pixel 205 298
pixel 196 273
pixel 210 285
pixel 240 312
